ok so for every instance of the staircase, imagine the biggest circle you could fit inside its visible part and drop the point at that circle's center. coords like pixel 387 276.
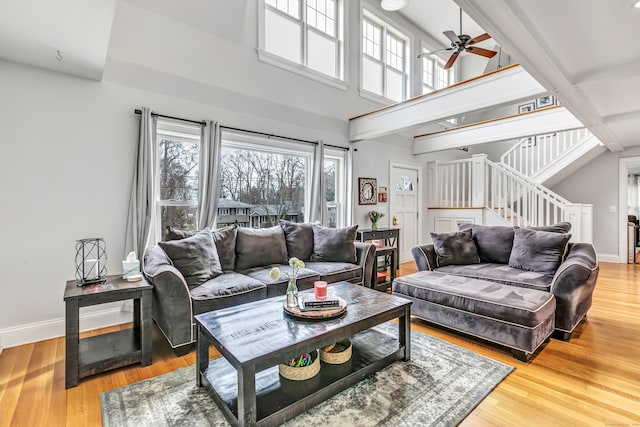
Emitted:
pixel 503 195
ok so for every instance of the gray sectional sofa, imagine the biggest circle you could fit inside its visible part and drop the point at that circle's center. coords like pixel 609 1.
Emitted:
pixel 540 259
pixel 195 272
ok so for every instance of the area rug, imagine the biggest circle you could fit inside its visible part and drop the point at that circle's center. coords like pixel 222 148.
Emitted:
pixel 440 386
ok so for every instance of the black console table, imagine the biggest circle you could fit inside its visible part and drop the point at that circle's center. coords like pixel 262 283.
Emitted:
pixel 390 249
pixel 88 356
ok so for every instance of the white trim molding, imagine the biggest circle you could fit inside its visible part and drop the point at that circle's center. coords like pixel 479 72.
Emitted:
pixel 608 258
pixel 54 328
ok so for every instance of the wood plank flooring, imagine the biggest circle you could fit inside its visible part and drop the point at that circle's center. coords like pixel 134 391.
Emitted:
pixel 594 379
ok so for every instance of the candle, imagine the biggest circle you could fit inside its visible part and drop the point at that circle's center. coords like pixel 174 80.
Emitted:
pixel 91 269
pixel 320 289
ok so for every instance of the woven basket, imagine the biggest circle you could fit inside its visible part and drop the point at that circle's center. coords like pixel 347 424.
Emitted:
pixel 303 373
pixel 337 357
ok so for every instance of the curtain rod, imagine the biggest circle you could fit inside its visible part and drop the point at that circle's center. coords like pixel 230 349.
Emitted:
pixel 203 123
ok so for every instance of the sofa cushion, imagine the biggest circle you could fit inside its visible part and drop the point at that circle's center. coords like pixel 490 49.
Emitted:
pixel 195 257
pixel 561 227
pixel 501 273
pixel 332 272
pixel 455 248
pixel 334 244
pixel 299 238
pixel 226 290
pixel 493 243
pixel 260 246
pixel 539 251
pixel 177 233
pixel 225 240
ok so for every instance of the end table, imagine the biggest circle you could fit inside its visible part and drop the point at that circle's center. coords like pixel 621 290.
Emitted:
pixel 88 356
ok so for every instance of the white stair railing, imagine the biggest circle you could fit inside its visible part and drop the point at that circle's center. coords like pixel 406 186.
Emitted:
pixel 452 184
pixel 533 154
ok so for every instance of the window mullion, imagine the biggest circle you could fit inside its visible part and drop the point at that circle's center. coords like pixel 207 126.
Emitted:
pixel 305 37
pixel 383 57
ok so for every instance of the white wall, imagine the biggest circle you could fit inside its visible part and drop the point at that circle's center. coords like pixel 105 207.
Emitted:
pixel 68 144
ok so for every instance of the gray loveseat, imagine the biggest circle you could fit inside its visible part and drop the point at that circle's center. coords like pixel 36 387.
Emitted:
pixel 538 258
pixel 196 272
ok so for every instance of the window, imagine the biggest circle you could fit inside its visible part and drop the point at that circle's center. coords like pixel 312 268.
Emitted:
pixel 384 59
pixel 307 33
pixel 434 76
pixel 335 187
pixel 178 155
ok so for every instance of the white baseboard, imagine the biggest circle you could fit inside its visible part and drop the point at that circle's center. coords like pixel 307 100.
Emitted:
pixel 609 258
pixel 39 331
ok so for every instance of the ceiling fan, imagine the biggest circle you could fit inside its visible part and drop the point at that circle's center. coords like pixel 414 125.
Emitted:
pixel 463 43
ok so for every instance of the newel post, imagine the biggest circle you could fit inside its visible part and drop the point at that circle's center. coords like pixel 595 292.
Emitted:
pixel 478 180
pixel 432 184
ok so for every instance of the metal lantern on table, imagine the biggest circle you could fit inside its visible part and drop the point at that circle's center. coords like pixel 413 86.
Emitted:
pixel 91 261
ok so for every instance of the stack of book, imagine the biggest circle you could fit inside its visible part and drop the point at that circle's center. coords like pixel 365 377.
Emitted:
pixel 314 304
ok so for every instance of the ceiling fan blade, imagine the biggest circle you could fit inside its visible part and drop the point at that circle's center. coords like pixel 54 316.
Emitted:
pixel 423 54
pixel 480 38
pixel 482 52
pixel 452 36
pixel 451 60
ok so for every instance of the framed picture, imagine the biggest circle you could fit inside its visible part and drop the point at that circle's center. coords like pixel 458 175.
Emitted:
pixel 382 195
pixel 545 101
pixel 525 108
pixel 367 191
pixel 528 142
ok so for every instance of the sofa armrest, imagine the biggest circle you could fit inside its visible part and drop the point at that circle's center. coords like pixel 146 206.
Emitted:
pixel 425 257
pixel 573 285
pixel 365 254
pixel 172 309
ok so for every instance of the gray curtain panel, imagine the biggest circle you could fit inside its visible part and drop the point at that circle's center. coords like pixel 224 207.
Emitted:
pixel 142 201
pixel 209 180
pixel 318 198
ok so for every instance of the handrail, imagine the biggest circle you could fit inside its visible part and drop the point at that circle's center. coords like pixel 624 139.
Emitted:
pixel 531 183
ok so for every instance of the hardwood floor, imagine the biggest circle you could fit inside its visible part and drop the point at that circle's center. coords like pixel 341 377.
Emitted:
pixel 594 379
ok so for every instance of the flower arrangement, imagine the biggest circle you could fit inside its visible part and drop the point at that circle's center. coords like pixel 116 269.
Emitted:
pixel 292 289
pixel 374 216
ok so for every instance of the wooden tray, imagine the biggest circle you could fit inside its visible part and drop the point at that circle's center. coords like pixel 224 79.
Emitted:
pixel 316 314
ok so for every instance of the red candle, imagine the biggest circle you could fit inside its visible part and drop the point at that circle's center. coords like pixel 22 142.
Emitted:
pixel 320 289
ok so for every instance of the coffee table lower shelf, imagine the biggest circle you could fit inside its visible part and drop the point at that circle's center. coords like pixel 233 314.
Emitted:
pixel 279 399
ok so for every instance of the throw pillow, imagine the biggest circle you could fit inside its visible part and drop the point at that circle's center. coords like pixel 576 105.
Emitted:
pixel 455 248
pixel 539 251
pixel 225 240
pixel 195 257
pixel 257 247
pixel 177 233
pixel 561 227
pixel 493 243
pixel 299 238
pixel 334 244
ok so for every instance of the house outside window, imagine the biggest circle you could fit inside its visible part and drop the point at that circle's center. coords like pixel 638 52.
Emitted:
pixel 385 57
pixel 178 156
pixel 304 36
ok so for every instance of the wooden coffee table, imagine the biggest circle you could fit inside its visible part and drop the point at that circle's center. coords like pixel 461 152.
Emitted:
pixel 254 338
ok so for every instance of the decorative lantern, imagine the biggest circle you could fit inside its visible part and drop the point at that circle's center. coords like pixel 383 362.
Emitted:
pixel 91 261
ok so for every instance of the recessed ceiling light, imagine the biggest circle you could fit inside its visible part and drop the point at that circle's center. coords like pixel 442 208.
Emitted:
pixel 636 4
pixel 392 5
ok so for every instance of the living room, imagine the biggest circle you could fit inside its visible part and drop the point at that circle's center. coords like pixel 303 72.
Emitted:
pixel 70 137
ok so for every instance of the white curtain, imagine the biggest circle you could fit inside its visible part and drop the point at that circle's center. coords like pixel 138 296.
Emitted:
pixel 142 202
pixel 350 186
pixel 209 180
pixel 318 196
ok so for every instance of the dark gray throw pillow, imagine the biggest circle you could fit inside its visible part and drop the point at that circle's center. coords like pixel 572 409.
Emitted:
pixel 257 247
pixel 493 243
pixel 177 233
pixel 195 257
pixel 561 227
pixel 334 244
pixel 455 248
pixel 539 251
pixel 225 240
pixel 299 238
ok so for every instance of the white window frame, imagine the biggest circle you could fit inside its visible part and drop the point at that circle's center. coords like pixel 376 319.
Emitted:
pixel 163 132
pixel 339 82
pixel 340 157
pixel 397 32
pixel 437 63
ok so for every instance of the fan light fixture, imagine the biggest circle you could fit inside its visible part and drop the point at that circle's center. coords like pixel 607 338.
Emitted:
pixel 392 5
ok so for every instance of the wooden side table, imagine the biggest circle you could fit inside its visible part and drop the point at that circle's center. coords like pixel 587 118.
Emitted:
pixel 88 356
pixel 390 238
